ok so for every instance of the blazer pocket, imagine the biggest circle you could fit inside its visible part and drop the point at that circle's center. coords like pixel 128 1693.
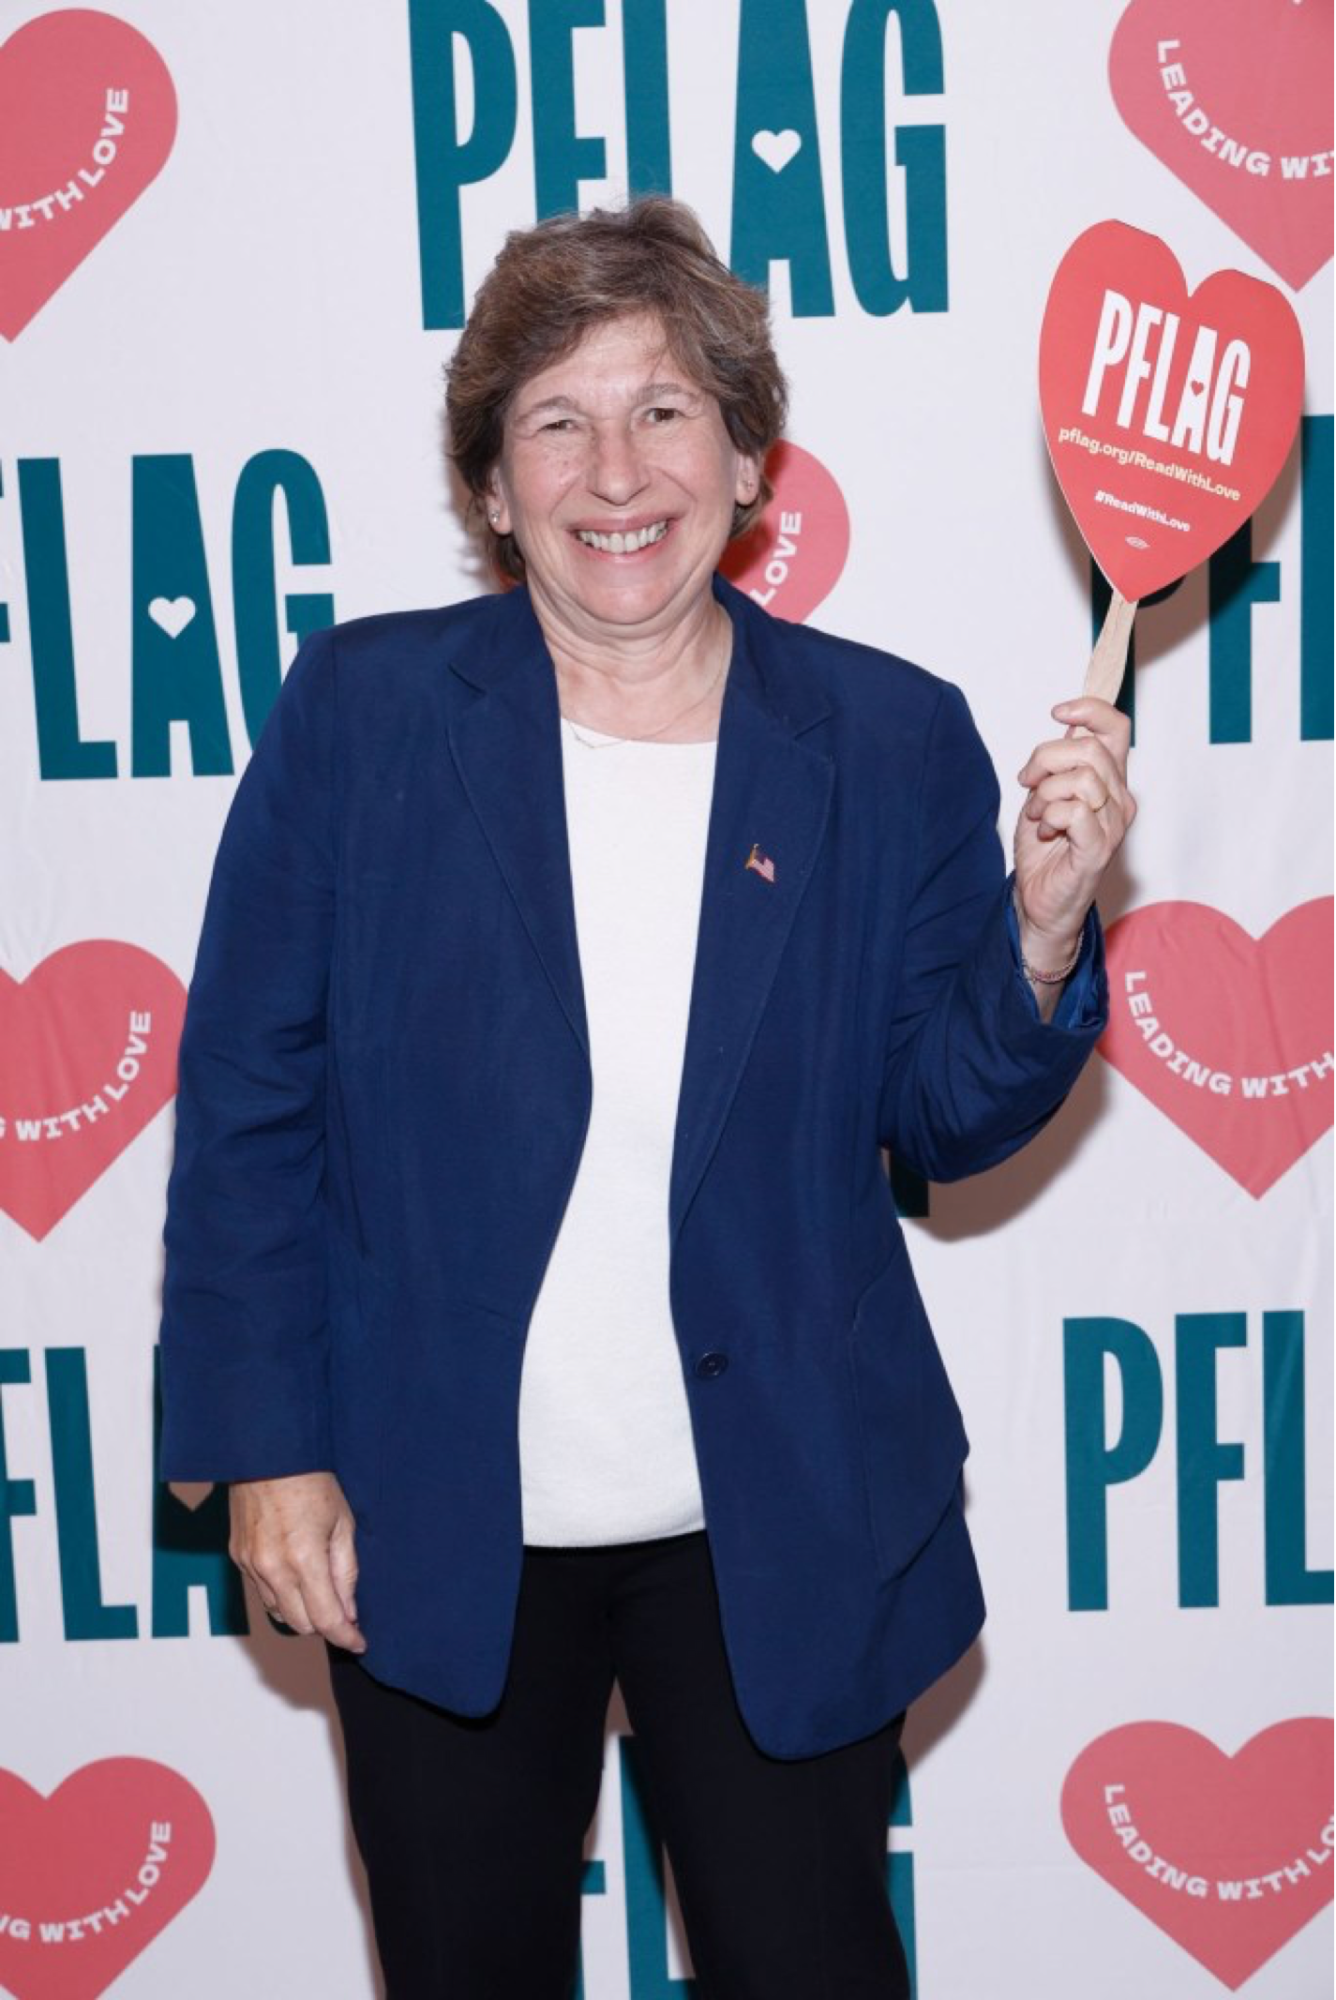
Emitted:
pixel 912 1438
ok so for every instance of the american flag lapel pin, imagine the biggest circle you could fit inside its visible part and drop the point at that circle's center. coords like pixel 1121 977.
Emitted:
pixel 762 863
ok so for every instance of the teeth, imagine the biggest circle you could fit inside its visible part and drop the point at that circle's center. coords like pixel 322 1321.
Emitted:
pixel 623 545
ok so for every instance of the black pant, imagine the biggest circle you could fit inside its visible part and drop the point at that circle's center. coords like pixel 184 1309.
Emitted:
pixel 472 1830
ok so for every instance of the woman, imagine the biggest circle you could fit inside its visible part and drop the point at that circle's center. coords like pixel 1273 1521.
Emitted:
pixel 533 1274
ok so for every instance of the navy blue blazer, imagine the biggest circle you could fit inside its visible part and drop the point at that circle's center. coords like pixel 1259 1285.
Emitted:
pixel 385 1085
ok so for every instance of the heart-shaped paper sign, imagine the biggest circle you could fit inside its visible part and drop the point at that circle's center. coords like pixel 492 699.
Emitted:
pixel 91 1875
pixel 1230 1856
pixel 87 1057
pixel 1168 417
pixel 87 118
pixel 1228 1035
pixel 793 556
pixel 1235 99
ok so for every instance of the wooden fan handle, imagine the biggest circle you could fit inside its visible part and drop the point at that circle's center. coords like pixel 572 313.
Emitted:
pixel 1108 662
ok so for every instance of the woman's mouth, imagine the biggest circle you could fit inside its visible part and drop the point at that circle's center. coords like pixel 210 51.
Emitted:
pixel 623 542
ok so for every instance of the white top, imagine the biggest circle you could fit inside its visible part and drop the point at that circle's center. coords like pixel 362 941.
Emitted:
pixel 606 1453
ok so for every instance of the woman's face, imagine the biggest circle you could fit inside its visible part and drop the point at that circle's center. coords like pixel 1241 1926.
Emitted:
pixel 618 480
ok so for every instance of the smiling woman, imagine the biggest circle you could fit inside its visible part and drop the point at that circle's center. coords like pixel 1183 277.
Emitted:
pixel 533 1272
pixel 611 402
pixel 618 485
pixel 553 284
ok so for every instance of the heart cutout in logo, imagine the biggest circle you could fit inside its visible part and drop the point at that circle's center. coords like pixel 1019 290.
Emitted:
pixel 1235 99
pixel 91 1875
pixel 88 1048
pixel 1157 476
pixel 793 556
pixel 1228 1035
pixel 87 120
pixel 1229 1856
pixel 172 614
pixel 776 149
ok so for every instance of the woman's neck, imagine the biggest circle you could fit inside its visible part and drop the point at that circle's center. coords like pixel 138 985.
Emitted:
pixel 667 685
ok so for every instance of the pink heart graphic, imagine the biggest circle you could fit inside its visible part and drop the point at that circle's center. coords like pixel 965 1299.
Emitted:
pixel 794 555
pixel 1229 1856
pixel 87 119
pixel 91 1875
pixel 87 1057
pixel 1225 93
pixel 1228 1035
pixel 1157 476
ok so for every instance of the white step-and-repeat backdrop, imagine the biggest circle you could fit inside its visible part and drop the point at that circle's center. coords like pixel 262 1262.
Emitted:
pixel 235 248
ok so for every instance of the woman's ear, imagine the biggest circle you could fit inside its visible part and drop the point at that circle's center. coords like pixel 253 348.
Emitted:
pixel 748 483
pixel 494 506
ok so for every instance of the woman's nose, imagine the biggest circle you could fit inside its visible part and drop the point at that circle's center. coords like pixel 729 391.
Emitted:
pixel 617 471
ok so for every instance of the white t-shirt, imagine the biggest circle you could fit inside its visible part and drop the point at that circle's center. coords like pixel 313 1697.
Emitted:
pixel 606 1452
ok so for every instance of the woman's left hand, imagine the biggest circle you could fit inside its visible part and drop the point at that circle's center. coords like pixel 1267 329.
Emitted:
pixel 1071 826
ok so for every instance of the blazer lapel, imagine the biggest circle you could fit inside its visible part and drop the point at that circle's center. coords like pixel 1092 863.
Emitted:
pixel 505 738
pixel 772 792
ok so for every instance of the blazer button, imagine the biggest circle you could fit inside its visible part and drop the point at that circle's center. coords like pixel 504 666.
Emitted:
pixel 711 1365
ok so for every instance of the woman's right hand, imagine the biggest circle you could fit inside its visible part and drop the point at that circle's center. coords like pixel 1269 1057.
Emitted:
pixel 295 1539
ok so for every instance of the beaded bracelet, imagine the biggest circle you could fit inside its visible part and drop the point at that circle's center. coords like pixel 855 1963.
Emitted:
pixel 1051 979
pixel 1033 972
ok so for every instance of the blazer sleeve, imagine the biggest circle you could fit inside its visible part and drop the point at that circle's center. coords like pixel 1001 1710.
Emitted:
pixel 972 1071
pixel 244 1333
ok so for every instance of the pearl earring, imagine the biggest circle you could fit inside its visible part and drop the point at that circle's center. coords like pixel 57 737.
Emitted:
pixel 494 516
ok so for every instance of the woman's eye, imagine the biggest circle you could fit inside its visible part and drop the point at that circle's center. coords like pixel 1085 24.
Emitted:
pixel 663 415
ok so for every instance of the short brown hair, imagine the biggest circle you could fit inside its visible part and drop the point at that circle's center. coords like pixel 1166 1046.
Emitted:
pixel 552 283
